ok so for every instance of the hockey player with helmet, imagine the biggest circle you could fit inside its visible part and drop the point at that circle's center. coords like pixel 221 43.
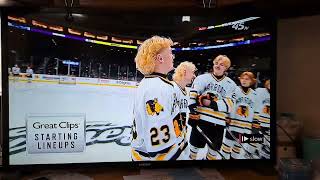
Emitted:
pixel 184 75
pixel 210 103
pixel 263 109
pixel 243 120
pixel 155 104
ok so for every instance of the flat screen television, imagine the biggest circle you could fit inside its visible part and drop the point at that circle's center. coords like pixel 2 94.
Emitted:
pixel 72 84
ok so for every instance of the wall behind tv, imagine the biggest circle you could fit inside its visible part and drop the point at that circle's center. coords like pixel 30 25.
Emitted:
pixel 298 83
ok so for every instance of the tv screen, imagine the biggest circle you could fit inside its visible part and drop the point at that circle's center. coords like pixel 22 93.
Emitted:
pixel 124 88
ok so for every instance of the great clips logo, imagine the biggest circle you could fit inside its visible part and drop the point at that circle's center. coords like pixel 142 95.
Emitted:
pixel 52 134
pixel 61 125
pixel 97 133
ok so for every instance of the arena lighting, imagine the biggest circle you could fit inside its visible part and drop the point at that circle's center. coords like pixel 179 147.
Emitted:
pixel 129 41
pixel 102 38
pixel 58 34
pixel 115 39
pixel 238 39
pixel 121 40
pixel 17 19
pixel 111 44
pixel 260 34
pixel 220 41
pixel 39 24
pixel 56 28
pixel 90 35
pixel 228 23
pixel 139 42
pixel 19 26
pixel 73 31
pixel 78 15
pixel 257 40
pixel 185 18
pixel 70 62
pixel 252 41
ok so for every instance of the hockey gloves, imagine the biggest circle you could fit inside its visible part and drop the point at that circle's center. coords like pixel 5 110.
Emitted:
pixel 194 116
pixel 209 96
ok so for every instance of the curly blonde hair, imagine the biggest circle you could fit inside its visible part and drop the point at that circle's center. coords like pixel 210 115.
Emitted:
pixel 147 52
pixel 224 58
pixel 250 75
pixel 179 71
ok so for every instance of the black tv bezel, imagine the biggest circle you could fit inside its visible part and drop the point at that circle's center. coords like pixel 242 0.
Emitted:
pixel 146 164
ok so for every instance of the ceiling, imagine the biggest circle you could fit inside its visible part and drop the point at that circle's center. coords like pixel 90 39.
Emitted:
pixel 133 5
pixel 147 17
pixel 280 8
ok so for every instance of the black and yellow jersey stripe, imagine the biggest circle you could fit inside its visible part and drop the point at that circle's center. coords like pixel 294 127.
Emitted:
pixel 170 153
pixel 193 96
pixel 236 149
pixel 184 92
pixel 225 148
pixel 209 115
pixel 240 126
pixel 228 103
pixel 264 121
pixel 160 76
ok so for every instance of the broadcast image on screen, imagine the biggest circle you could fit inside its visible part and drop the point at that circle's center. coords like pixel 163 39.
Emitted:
pixel 154 88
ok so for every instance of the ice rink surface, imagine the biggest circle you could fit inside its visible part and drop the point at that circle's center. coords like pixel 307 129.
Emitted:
pixel 108 113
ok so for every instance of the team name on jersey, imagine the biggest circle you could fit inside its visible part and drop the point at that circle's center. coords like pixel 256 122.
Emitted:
pixel 216 88
pixel 183 104
pixel 266 101
pixel 245 100
pixel 175 102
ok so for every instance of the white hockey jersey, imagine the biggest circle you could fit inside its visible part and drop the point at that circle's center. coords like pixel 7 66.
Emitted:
pixel 263 106
pixel 222 90
pixel 155 110
pixel 183 103
pixel 243 111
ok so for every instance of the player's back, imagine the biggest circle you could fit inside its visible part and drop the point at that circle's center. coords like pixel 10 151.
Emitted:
pixel 154 112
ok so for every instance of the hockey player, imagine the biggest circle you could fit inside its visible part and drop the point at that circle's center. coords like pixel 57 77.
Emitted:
pixel 155 104
pixel 263 108
pixel 184 75
pixel 216 89
pixel 243 120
